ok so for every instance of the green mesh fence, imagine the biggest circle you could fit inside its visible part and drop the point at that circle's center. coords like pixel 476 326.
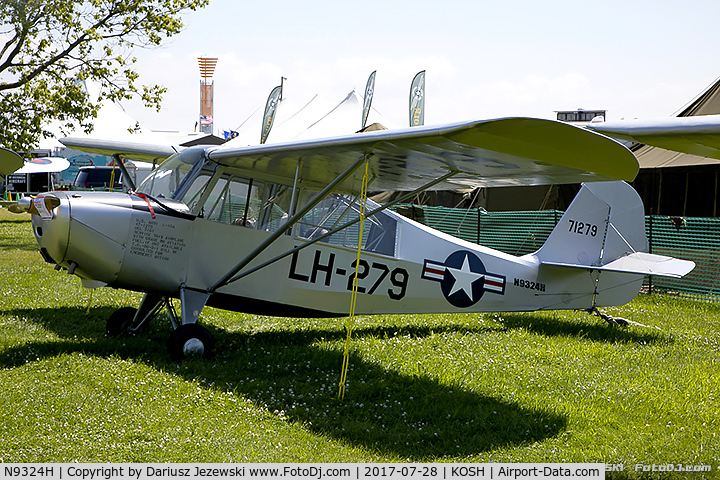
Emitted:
pixel 520 233
pixel 516 233
pixel 689 238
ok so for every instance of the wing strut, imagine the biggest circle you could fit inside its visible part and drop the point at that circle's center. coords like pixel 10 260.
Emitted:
pixel 119 163
pixel 297 248
pixel 287 225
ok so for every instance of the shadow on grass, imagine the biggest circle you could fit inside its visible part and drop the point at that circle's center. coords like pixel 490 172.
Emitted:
pixel 595 329
pixel 28 247
pixel 12 221
pixel 13 244
pixel 8 241
pixel 295 374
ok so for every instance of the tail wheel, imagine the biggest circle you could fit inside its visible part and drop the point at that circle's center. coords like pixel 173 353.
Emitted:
pixel 119 321
pixel 190 340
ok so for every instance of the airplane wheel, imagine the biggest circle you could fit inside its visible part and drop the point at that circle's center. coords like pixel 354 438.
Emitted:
pixel 119 321
pixel 190 340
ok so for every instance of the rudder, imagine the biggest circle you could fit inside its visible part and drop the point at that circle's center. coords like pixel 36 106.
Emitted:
pixel 589 233
pixel 604 230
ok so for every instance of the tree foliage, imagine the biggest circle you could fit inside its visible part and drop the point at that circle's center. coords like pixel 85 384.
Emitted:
pixel 49 49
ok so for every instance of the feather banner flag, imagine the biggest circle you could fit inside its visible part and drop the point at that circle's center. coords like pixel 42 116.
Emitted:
pixel 417 100
pixel 270 109
pixel 369 90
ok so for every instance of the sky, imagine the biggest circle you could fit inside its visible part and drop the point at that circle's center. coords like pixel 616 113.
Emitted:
pixel 483 59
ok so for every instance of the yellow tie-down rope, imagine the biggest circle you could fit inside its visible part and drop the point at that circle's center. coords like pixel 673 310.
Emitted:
pixel 353 298
pixel 112 176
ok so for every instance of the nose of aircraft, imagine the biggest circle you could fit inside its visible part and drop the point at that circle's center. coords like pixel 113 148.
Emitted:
pixel 84 232
pixel 51 225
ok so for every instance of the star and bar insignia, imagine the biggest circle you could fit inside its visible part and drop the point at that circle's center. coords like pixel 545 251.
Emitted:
pixel 463 278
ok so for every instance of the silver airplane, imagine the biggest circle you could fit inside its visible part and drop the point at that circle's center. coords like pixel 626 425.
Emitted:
pixel 286 229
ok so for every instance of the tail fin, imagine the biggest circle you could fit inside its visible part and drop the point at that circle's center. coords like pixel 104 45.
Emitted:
pixel 604 229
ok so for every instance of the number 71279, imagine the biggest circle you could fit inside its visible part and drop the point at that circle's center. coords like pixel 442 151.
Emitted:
pixel 582 228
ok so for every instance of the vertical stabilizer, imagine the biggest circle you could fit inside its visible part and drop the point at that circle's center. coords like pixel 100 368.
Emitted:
pixel 604 230
pixel 605 221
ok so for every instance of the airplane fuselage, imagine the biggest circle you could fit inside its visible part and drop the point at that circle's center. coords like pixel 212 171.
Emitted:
pixel 122 241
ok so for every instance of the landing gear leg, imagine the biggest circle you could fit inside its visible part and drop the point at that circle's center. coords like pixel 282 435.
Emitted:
pixel 133 320
pixel 189 338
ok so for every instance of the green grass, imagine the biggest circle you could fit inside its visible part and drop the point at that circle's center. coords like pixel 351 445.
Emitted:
pixel 536 387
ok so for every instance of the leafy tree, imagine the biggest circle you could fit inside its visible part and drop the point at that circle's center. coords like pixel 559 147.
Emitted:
pixel 52 47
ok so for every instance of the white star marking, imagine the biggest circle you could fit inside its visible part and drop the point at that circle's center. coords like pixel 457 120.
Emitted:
pixel 464 278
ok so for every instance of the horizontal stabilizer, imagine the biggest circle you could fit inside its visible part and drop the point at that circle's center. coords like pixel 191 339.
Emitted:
pixel 603 229
pixel 639 263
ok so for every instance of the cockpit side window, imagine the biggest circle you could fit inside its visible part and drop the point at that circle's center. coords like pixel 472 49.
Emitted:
pixel 235 200
pixel 232 199
pixel 193 194
pixel 378 235
pixel 276 207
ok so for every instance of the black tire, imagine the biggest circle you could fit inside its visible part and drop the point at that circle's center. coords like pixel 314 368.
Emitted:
pixel 190 340
pixel 119 321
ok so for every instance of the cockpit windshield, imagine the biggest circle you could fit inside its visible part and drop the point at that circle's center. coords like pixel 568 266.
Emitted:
pixel 164 181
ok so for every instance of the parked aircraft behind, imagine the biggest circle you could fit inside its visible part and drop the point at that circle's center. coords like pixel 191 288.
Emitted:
pixel 698 135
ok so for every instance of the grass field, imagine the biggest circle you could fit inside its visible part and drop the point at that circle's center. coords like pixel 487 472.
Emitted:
pixel 537 387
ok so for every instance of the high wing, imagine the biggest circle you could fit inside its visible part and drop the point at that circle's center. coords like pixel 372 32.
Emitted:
pixel 9 161
pixel 510 151
pixel 699 135
pixel 145 152
pixel 502 152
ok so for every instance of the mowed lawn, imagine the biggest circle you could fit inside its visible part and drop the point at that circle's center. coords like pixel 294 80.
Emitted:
pixel 535 387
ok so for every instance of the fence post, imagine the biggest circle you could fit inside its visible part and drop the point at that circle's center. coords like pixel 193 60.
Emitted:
pixel 650 248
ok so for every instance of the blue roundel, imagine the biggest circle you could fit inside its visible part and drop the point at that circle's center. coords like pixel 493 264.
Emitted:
pixel 464 279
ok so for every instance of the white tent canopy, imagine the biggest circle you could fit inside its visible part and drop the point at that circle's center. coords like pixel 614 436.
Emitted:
pixel 317 117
